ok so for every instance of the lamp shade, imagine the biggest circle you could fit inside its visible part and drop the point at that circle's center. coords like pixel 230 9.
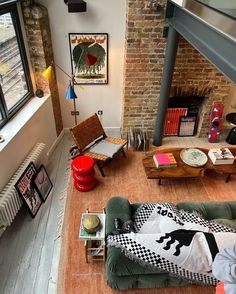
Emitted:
pixel 48 73
pixel 70 94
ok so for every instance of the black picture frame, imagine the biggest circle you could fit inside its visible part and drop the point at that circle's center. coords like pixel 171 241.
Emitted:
pixel 89 58
pixel 187 126
pixel 27 191
pixel 42 183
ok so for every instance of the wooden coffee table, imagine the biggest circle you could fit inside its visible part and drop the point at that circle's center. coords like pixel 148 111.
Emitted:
pixel 183 170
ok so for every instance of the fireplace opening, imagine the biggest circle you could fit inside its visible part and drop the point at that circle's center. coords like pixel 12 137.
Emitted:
pixel 183 115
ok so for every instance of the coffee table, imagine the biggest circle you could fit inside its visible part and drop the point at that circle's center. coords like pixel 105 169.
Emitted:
pixel 183 170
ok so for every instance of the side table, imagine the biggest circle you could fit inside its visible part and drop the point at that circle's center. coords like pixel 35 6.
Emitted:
pixel 94 245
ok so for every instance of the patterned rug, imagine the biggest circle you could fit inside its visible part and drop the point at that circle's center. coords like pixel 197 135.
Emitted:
pixel 126 177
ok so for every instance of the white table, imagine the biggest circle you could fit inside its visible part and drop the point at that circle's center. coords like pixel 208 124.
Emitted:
pixel 94 243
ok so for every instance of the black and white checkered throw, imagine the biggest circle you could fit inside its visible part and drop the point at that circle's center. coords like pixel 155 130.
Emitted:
pixel 181 243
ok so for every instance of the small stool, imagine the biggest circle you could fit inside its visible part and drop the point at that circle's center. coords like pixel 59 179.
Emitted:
pixel 83 173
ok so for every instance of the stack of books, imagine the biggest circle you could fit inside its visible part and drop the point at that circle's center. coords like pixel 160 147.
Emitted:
pixel 221 156
pixel 164 160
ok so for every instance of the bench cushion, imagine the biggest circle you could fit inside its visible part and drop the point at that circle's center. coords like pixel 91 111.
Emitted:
pixel 106 148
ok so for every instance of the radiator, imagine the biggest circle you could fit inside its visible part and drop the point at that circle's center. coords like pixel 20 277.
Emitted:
pixel 10 201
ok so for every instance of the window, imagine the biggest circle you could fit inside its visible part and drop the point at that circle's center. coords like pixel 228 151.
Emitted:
pixel 15 83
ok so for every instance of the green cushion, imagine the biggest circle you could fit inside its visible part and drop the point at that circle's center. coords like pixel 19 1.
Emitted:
pixel 117 207
pixel 211 210
pixel 227 222
pixel 121 265
pixel 143 281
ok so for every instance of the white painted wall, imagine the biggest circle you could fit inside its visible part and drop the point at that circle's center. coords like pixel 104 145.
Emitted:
pixel 39 128
pixel 103 16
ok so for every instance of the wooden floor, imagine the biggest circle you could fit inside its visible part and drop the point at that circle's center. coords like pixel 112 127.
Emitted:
pixel 30 248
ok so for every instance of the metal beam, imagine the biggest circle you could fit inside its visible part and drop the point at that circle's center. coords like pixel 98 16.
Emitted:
pixel 215 45
pixel 171 50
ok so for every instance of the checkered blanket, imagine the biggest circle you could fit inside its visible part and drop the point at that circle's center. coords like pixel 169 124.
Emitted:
pixel 181 243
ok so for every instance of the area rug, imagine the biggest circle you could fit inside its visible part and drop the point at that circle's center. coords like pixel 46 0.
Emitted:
pixel 126 177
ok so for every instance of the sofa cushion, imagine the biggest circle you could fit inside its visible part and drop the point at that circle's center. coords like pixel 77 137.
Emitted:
pixel 117 262
pixel 121 265
pixel 227 222
pixel 143 281
pixel 211 210
pixel 106 148
pixel 117 207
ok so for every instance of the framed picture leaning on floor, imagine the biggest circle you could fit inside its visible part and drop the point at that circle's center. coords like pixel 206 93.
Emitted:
pixel 42 183
pixel 27 191
pixel 187 126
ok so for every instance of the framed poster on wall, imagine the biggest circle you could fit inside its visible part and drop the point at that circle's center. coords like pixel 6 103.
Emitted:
pixel 187 126
pixel 89 57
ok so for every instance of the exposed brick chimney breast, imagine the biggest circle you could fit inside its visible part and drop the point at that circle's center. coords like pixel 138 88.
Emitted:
pixel 144 59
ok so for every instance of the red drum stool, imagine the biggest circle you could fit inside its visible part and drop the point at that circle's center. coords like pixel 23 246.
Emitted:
pixel 83 173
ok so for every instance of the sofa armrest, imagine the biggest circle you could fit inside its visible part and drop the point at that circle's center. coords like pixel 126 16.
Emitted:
pixel 117 207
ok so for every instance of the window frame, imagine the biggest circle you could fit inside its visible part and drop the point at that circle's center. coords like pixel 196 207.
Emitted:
pixel 5 113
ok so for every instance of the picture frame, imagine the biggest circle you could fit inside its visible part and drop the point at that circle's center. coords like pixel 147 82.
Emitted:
pixel 89 58
pixel 27 191
pixel 42 183
pixel 187 126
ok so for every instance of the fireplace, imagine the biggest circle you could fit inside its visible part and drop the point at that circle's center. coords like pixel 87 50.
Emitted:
pixel 189 102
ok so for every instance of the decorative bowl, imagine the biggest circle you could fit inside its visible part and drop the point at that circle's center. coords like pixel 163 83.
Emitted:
pixel 91 223
pixel 193 157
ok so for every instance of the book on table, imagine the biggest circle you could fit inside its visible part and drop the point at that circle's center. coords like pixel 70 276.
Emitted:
pixel 221 156
pixel 164 160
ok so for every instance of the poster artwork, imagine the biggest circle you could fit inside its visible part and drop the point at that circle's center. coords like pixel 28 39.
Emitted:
pixel 29 195
pixel 89 55
pixel 187 126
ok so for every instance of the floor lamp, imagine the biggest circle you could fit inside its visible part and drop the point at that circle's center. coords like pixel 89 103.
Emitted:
pixel 70 94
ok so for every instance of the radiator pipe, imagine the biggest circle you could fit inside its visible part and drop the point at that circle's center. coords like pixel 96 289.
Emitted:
pixel 171 50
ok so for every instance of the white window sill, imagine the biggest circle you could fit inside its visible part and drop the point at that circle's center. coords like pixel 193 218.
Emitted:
pixel 20 119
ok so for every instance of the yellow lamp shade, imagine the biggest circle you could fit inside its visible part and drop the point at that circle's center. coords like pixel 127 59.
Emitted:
pixel 48 73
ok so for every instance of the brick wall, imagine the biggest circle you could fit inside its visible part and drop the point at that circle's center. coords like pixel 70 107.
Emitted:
pixel 195 74
pixel 144 59
pixel 41 54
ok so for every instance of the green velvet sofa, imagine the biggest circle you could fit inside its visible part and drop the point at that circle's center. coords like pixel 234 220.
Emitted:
pixel 123 273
